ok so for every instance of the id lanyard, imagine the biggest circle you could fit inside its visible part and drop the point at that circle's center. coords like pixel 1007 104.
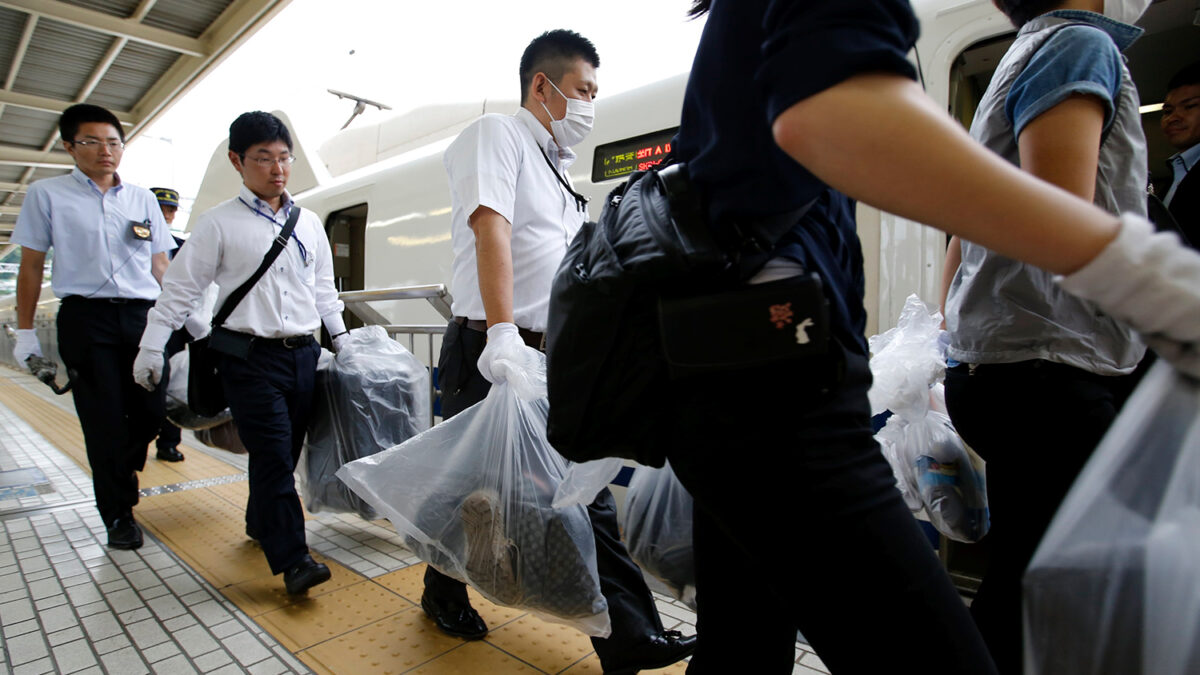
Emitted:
pixel 299 244
pixel 581 202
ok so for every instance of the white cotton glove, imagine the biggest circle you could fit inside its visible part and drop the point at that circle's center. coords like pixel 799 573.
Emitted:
pixel 504 343
pixel 148 368
pixel 340 342
pixel 27 345
pixel 197 327
pixel 1151 282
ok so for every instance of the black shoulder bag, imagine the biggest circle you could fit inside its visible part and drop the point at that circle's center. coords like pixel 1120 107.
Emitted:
pixel 206 396
pixel 632 303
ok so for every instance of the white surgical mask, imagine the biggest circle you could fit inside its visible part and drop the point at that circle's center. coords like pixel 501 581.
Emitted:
pixel 576 124
pixel 1125 11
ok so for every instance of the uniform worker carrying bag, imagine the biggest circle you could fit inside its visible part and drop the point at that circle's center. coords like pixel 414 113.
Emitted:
pixel 648 296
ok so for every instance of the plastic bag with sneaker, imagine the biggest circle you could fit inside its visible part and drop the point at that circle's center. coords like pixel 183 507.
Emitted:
pixel 372 395
pixel 473 497
pixel 177 409
pixel 657 523
pixel 1114 586
pixel 934 470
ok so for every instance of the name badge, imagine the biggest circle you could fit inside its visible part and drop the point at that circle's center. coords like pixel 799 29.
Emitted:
pixel 140 230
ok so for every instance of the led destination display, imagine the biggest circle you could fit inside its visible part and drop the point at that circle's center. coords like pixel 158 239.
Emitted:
pixel 621 158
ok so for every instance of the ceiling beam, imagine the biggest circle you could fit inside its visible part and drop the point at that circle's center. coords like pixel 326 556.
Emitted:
pixel 10 210
pixel 13 187
pixel 10 155
pixel 111 25
pixel 52 105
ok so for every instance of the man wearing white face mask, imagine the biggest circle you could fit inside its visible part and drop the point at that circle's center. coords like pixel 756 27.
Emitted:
pixel 514 213
pixel 1025 354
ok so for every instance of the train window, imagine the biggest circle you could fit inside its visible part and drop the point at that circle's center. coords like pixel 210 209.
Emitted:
pixel 637 153
pixel 347 230
pixel 971 74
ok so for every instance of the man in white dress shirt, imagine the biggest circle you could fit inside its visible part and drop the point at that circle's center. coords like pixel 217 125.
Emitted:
pixel 110 251
pixel 270 392
pixel 514 213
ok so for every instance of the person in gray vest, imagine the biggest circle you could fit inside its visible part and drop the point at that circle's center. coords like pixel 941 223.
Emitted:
pixel 1024 353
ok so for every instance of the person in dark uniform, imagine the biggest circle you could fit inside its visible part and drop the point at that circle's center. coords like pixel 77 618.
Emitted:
pixel 514 212
pixel 169 435
pixel 1181 125
pixel 791 102
pixel 110 251
pixel 270 390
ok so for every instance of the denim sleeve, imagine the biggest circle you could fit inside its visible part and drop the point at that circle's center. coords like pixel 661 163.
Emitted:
pixel 810 45
pixel 1075 60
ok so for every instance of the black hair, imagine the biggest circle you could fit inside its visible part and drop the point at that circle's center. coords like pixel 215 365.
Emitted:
pixel 83 113
pixel 552 53
pixel 1020 12
pixel 1189 74
pixel 257 127
pixel 699 8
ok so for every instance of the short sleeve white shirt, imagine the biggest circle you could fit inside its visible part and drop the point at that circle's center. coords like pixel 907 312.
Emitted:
pixel 500 162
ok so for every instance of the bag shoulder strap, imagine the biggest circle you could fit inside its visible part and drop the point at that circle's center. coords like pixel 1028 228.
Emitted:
pixel 277 247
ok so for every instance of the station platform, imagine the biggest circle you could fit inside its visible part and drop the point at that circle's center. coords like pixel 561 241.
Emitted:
pixel 198 597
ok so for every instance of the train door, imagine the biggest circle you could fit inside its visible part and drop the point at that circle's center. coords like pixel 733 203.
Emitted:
pixel 347 229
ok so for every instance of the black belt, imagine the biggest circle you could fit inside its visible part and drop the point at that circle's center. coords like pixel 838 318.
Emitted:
pixel 290 342
pixel 532 338
pixel 108 301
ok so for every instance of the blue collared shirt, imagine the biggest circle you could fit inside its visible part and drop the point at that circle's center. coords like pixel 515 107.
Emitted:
pixel 96 251
pixel 1181 163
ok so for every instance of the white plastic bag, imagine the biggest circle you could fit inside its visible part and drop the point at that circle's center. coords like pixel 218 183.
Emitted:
pixel 1114 586
pixel 585 480
pixel 933 468
pixel 657 523
pixel 472 496
pixel 373 395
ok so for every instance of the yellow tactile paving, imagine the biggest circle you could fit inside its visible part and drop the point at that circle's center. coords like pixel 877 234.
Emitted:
pixel 303 624
pixel 548 646
pixel 410 582
pixel 474 658
pixel 266 593
pixel 395 644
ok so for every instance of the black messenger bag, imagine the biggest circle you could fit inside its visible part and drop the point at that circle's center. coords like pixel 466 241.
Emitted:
pixel 206 395
pixel 627 299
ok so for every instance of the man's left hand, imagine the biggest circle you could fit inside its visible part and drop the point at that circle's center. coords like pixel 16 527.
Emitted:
pixel 148 368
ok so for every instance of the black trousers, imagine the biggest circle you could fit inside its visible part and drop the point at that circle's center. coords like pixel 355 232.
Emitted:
pixel 799 526
pixel 630 604
pixel 98 340
pixel 270 397
pixel 1036 424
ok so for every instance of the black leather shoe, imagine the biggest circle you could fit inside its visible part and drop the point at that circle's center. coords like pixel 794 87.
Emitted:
pixel 454 618
pixel 304 575
pixel 170 455
pixel 658 651
pixel 125 534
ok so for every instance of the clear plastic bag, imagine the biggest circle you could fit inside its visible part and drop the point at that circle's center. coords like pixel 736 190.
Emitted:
pixel 224 436
pixel 473 497
pixel 177 409
pixel 371 396
pixel 657 523
pixel 585 480
pixel 1114 586
pixel 934 469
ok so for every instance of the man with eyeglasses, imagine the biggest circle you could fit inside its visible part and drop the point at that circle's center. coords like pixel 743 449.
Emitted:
pixel 269 385
pixel 110 251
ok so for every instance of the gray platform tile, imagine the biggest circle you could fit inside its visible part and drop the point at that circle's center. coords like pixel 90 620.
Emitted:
pixel 44 588
pixel 124 661
pixel 26 648
pixel 211 613
pixel 805 670
pixel 7 558
pixel 182 584
pixel 64 636
pixel 212 660
pixel 195 641
pixel 123 600
pixel 98 607
pixel 16 611
pixel 115 586
pixel 58 548
pixel 84 594
pixel 112 644
pixel 13 630
pixel 132 566
pixel 105 573
pixel 71 569
pixel 74 656
pixel 292 662
pixel 159 560
pixel 231 627
pixel 101 626
pixel 382 559
pixel 25 545
pixel 813 661
pixel 179 623
pixel 371 571
pixel 154 591
pixel 166 607
pixel 231 669
pixel 12 596
pixel 141 613
pixel 161 652
pixel 92 555
pixel 39 667
pixel 77 533
pixel 33 564
pixel 121 557
pixel 268 667
pixel 246 648
pixel 58 618
pixel 143 579
pixel 196 597
pixel 147 633
pixel 176 665
pixel 38 575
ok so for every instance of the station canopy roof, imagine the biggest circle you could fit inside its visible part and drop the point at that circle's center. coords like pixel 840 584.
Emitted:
pixel 134 57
